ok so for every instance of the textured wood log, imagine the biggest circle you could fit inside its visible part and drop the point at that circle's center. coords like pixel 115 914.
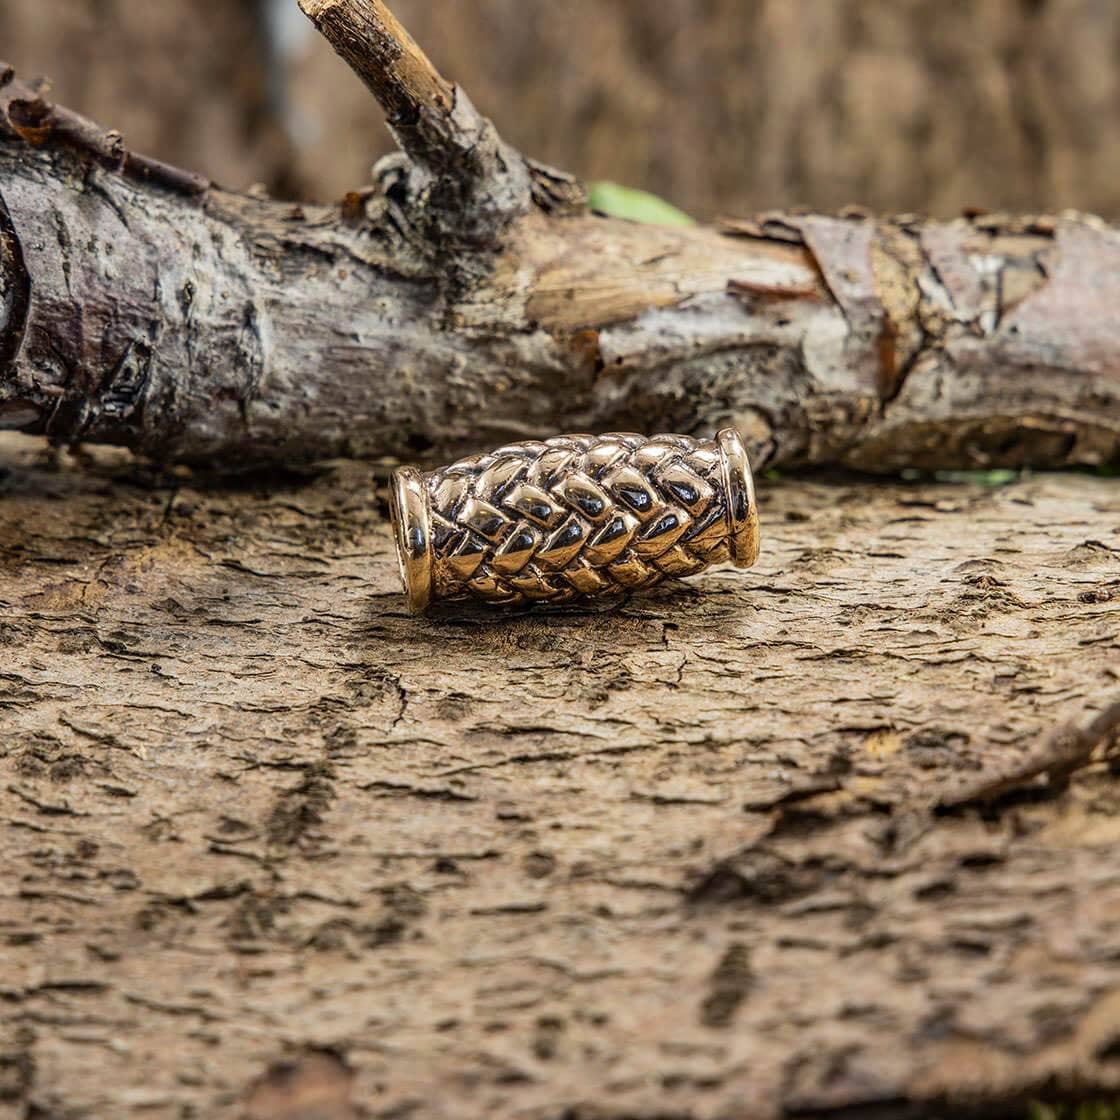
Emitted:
pixel 796 841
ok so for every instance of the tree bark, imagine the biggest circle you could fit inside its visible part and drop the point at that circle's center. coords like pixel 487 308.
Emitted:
pixel 802 841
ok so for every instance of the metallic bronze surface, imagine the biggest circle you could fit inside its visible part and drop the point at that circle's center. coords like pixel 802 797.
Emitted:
pixel 572 517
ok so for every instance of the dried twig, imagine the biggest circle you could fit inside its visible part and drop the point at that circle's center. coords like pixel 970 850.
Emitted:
pixel 1066 749
pixel 37 120
pixel 466 170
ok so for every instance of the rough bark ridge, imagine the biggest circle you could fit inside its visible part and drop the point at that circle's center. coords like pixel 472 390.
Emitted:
pixel 807 841
pixel 471 299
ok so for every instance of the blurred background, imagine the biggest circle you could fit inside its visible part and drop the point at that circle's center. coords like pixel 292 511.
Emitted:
pixel 719 106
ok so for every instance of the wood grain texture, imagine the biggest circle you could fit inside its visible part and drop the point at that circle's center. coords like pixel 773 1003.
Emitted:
pixel 268 838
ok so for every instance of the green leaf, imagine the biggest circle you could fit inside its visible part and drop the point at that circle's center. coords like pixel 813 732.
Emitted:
pixel 998 477
pixel 636 206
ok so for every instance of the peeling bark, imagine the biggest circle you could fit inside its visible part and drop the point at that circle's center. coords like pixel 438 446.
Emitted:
pixel 800 842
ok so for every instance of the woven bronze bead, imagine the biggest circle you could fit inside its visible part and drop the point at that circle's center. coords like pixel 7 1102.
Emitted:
pixel 572 517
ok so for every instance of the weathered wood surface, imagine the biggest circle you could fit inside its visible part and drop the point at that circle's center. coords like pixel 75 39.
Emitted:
pixel 267 839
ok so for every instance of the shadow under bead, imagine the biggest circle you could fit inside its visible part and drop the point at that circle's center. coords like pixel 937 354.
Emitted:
pixel 573 517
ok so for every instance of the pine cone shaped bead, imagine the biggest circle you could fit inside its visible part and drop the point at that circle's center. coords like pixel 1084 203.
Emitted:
pixel 573 516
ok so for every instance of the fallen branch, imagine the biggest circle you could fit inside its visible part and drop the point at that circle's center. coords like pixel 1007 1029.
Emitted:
pixel 1065 750
pixel 471 300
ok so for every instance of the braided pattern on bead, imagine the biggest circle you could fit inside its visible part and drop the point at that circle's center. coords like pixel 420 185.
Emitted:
pixel 577 515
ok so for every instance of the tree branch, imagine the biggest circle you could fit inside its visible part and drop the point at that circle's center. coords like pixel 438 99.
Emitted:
pixel 463 171
pixel 417 100
pixel 1066 749
pixel 469 302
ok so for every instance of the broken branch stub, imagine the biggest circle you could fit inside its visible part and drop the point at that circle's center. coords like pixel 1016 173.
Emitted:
pixel 465 184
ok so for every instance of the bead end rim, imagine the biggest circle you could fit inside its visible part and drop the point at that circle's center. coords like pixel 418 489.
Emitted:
pixel 412 534
pixel 742 510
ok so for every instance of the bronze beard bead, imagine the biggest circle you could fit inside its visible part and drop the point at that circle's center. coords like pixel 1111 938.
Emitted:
pixel 573 517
